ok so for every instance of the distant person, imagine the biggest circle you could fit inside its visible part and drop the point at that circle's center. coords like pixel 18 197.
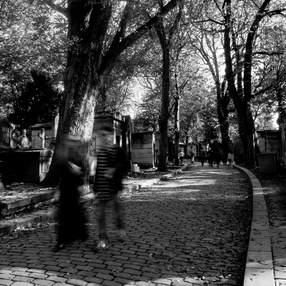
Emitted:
pixel 192 156
pixel 110 167
pixel 181 156
pixel 230 158
pixel 211 157
pixel 217 157
pixel 71 217
pixel 202 156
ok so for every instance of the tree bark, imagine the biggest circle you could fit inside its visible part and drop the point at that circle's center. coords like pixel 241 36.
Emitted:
pixel 223 100
pixel 242 95
pixel 88 65
pixel 166 43
pixel 222 94
pixel 164 116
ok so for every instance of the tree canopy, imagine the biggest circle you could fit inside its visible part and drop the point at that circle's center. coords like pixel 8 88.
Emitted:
pixel 226 63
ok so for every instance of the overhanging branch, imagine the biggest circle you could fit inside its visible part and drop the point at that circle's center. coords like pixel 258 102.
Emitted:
pixel 56 7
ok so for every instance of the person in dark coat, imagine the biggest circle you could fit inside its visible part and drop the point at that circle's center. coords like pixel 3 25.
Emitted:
pixel 202 156
pixel 211 157
pixel 110 168
pixel 217 157
pixel 71 217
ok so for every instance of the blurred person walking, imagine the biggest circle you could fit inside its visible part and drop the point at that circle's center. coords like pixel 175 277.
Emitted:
pixel 202 156
pixel 71 217
pixel 110 168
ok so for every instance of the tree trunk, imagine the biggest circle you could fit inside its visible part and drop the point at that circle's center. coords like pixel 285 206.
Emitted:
pixel 225 140
pixel 163 122
pixel 166 43
pixel 177 129
pixel 246 132
pixel 241 97
pixel 88 65
pixel 82 81
pixel 222 111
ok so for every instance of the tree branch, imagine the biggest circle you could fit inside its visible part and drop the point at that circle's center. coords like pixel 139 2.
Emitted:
pixel 116 50
pixel 120 34
pixel 56 7
pixel 268 53
pixel 263 90
pixel 176 22
pixel 249 49
pixel 276 12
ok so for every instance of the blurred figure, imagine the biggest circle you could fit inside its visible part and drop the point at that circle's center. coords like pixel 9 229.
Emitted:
pixel 181 156
pixel 217 157
pixel 211 157
pixel 230 158
pixel 71 217
pixel 110 167
pixel 192 156
pixel 202 156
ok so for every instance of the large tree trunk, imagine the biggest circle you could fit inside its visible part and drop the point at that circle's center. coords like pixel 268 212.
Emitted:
pixel 177 129
pixel 223 100
pixel 163 122
pixel 242 95
pixel 82 81
pixel 88 65
pixel 166 43
pixel 246 132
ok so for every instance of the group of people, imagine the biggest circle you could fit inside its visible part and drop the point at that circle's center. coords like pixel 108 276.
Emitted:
pixel 110 165
pixel 213 157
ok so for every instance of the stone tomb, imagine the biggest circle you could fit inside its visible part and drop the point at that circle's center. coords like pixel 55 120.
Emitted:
pixel 25 165
pixel 29 163
pixel 143 151
pixel 5 133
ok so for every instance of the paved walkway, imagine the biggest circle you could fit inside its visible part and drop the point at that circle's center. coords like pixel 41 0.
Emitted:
pixel 188 230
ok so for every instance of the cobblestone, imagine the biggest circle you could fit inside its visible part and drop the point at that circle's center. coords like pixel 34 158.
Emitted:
pixel 191 226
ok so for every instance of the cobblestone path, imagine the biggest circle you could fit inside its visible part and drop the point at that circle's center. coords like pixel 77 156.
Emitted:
pixel 191 229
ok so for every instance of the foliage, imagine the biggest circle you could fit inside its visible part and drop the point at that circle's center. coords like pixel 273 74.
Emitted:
pixel 148 116
pixel 32 37
pixel 38 102
pixel 198 112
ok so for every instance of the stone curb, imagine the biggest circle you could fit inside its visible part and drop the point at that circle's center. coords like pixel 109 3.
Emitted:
pixel 14 206
pixel 259 268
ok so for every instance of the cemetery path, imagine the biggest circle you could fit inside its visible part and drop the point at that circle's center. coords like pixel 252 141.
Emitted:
pixel 189 229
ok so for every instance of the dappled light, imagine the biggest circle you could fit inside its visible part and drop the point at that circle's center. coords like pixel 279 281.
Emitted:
pixel 182 230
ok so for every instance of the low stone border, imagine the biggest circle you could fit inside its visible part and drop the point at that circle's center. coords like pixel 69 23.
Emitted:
pixel 7 226
pixel 13 207
pixel 259 269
